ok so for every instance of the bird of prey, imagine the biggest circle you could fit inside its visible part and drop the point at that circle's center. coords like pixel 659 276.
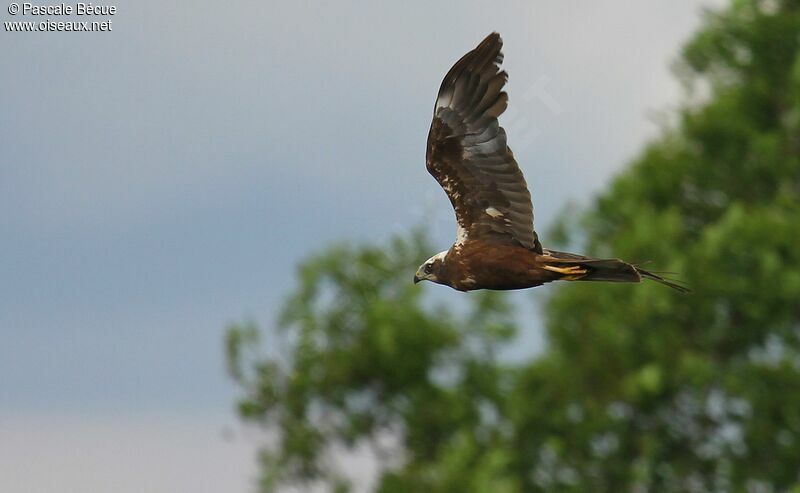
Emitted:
pixel 496 246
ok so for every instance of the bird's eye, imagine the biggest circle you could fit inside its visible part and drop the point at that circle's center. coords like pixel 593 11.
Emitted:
pixel 427 268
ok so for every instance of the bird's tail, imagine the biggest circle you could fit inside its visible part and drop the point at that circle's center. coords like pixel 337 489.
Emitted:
pixel 580 268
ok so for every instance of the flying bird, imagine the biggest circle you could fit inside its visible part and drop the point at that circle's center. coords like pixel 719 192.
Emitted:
pixel 496 246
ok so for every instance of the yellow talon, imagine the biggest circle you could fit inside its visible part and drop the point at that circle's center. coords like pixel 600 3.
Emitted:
pixel 573 271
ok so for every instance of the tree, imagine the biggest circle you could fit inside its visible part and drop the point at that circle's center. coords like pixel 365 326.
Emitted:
pixel 641 388
pixel 367 359
pixel 700 392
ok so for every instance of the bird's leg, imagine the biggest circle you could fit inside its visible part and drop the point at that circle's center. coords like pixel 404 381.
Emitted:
pixel 571 273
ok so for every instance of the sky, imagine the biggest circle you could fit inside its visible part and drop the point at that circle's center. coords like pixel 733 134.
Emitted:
pixel 162 180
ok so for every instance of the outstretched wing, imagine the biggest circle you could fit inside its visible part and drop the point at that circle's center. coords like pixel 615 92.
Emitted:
pixel 468 155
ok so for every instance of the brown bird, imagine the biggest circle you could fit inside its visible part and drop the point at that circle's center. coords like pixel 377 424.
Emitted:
pixel 496 246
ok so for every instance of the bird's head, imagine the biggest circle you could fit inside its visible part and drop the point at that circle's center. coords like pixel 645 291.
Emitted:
pixel 432 269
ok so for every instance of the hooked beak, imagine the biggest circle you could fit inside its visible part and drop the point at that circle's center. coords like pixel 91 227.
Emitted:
pixel 416 279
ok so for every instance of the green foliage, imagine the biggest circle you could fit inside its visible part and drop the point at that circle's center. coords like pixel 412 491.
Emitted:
pixel 641 388
pixel 365 357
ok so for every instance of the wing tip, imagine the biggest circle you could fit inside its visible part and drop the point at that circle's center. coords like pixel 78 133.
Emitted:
pixel 493 38
pixel 492 43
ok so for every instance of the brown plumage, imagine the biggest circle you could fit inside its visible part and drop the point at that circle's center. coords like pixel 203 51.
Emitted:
pixel 496 246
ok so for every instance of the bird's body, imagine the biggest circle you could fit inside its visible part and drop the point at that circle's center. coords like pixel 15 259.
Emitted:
pixel 482 265
pixel 496 246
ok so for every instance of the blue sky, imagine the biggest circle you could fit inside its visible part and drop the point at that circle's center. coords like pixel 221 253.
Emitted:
pixel 162 180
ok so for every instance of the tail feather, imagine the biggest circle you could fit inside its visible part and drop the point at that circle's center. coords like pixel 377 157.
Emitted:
pixel 611 270
pixel 674 284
